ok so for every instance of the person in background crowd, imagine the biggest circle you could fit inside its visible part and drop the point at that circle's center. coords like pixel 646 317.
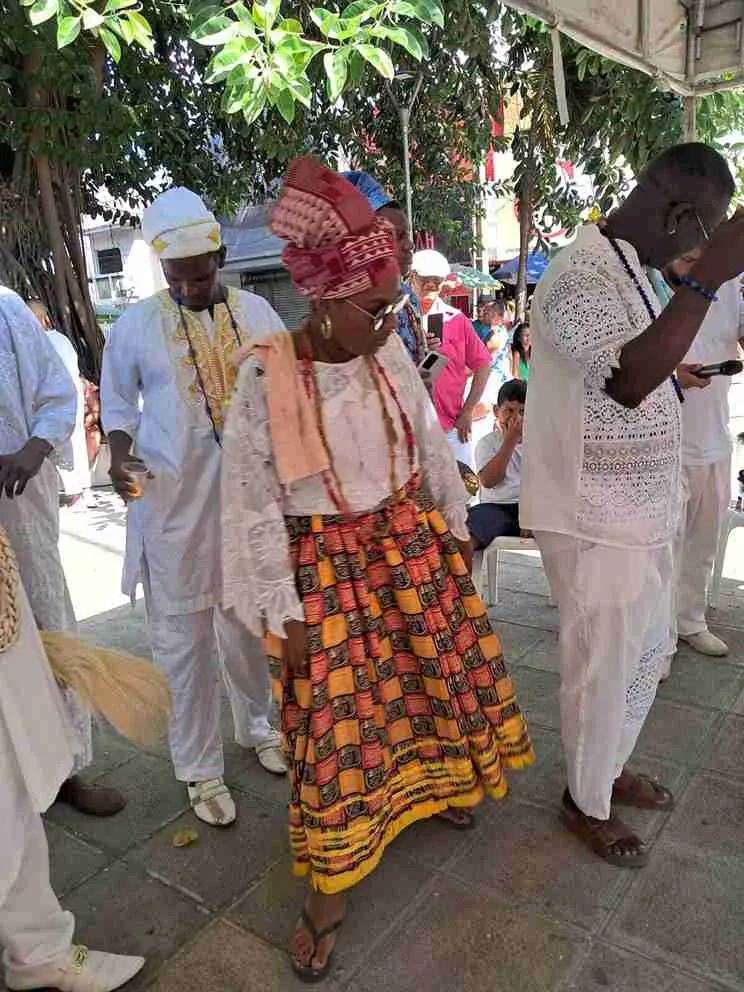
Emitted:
pixel 396 703
pixel 498 462
pixel 75 481
pixel 465 352
pixel 706 452
pixel 38 403
pixel 167 377
pixel 409 319
pixel 482 323
pixel 602 473
pixel 521 351
pixel 499 345
pixel 38 747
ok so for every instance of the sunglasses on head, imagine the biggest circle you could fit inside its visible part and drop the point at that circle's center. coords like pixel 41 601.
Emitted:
pixel 378 319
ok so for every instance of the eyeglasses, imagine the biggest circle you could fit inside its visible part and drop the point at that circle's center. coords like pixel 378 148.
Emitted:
pixel 378 319
pixel 703 229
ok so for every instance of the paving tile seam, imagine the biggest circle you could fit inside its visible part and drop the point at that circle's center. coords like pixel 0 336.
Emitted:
pixel 175 886
pixel 565 983
pixel 119 854
pixel 653 952
pixel 397 924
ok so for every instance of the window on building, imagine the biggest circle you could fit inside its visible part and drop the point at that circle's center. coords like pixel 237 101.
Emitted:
pixel 109 261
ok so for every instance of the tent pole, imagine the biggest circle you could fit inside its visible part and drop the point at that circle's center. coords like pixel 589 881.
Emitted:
pixel 690 124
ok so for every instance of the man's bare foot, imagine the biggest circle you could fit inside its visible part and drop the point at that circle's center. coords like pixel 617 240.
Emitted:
pixel 640 791
pixel 314 939
pixel 610 840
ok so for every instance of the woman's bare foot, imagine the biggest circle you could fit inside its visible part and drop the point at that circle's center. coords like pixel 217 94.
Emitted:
pixel 314 939
pixel 455 816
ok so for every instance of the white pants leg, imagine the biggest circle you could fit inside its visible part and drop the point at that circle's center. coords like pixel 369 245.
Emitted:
pixel 245 669
pixel 184 648
pixel 34 929
pixel 615 609
pixel 462 450
pixel 195 651
pixel 708 495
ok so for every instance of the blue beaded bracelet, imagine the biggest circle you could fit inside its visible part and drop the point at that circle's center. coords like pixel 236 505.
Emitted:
pixel 695 286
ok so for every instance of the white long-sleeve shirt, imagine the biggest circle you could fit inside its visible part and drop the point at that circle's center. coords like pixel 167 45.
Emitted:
pixel 149 390
pixel 37 394
pixel 258 575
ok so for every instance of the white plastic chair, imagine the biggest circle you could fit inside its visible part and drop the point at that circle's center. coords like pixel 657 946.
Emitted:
pixel 486 565
pixel 732 520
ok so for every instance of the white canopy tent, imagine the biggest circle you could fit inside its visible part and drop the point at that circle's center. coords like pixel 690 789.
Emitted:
pixel 691 46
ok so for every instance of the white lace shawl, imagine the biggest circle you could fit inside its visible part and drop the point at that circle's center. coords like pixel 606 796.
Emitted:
pixel 259 581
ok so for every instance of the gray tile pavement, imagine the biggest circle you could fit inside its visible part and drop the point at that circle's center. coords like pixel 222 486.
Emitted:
pixel 517 904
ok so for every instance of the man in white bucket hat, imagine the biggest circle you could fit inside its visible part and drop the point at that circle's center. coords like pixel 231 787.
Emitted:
pixel 168 372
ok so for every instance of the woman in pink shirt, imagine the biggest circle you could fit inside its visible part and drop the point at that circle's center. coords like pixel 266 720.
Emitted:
pixel 465 352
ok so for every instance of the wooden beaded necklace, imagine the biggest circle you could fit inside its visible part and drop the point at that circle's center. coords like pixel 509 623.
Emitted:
pixel 333 484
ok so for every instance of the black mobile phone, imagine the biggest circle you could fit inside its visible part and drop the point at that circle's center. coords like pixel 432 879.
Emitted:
pixel 435 325
pixel 731 367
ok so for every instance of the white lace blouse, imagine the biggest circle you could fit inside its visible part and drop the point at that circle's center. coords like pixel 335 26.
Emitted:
pixel 259 581
pixel 592 468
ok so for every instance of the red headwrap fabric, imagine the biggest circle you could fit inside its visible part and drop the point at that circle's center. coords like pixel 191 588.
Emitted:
pixel 337 246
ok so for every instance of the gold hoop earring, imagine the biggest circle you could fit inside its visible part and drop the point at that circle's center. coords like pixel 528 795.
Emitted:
pixel 326 327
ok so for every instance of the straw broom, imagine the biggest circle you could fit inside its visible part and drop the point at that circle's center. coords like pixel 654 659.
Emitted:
pixel 128 692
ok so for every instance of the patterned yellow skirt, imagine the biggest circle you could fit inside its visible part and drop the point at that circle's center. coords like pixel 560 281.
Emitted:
pixel 405 707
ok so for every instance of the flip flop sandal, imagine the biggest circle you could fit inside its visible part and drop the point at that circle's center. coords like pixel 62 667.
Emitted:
pixel 603 838
pixel 637 794
pixel 467 823
pixel 306 972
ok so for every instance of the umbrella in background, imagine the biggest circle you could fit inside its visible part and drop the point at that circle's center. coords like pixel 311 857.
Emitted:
pixel 537 263
pixel 474 279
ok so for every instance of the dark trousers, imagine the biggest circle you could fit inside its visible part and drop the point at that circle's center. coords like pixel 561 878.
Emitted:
pixel 487 521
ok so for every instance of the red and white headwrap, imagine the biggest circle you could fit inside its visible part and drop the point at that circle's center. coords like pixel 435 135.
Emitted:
pixel 338 246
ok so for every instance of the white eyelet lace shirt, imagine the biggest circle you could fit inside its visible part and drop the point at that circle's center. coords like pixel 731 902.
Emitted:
pixel 259 581
pixel 592 468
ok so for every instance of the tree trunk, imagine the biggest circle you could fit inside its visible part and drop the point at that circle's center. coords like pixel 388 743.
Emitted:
pixel 526 196
pixel 58 196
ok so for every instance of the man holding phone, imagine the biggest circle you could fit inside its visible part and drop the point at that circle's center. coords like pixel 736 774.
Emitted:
pixel 465 353
pixel 706 452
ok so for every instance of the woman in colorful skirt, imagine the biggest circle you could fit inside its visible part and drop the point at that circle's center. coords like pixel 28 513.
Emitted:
pixel 345 543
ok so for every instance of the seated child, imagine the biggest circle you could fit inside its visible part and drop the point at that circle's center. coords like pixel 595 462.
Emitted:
pixel 498 461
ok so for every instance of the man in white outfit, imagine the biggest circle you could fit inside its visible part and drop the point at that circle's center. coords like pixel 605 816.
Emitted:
pixel 602 469
pixel 35 932
pixel 168 371
pixel 706 460
pixel 37 415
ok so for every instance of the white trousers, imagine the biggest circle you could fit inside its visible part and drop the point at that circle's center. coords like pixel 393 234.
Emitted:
pixel 708 491
pixel 34 929
pixel 462 450
pixel 196 652
pixel 32 524
pixel 615 619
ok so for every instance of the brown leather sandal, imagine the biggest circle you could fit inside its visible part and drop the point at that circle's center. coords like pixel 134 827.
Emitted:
pixel 643 792
pixel 610 839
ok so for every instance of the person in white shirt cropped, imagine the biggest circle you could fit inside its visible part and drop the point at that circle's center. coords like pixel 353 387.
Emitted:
pixel 498 462
pixel 602 468
pixel 706 455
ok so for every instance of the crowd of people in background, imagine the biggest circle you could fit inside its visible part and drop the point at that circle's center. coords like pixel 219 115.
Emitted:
pixel 296 508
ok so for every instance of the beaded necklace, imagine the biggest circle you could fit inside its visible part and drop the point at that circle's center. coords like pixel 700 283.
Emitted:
pixel 379 376
pixel 644 296
pixel 193 358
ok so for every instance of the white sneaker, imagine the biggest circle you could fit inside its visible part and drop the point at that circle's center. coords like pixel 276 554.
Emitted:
pixel 81 971
pixel 212 803
pixel 706 643
pixel 270 755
